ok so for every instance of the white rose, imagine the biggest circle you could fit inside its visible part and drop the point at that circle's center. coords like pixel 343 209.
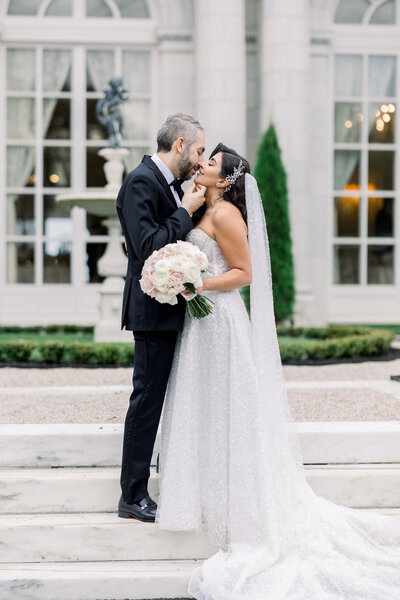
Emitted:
pixel 191 273
pixel 161 278
pixel 166 298
pixel 161 266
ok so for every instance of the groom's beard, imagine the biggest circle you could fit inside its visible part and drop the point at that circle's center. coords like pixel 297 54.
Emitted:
pixel 185 166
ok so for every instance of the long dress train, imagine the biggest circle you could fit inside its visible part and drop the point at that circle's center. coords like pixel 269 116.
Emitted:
pixel 224 461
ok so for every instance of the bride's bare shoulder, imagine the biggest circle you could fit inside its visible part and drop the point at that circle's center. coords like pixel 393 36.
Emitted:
pixel 227 216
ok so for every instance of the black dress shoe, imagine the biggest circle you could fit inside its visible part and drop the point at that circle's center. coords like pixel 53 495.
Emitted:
pixel 144 510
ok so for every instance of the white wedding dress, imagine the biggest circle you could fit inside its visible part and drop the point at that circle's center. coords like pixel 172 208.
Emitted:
pixel 230 457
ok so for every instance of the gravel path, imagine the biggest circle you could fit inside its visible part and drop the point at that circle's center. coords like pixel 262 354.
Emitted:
pixel 358 402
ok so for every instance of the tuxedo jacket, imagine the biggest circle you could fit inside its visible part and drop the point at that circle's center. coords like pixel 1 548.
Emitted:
pixel 150 219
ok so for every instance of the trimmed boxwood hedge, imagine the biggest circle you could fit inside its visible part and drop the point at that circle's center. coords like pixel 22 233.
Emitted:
pixel 336 341
pixel 296 344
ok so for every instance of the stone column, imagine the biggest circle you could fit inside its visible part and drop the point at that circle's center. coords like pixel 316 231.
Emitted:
pixel 220 71
pixel 285 72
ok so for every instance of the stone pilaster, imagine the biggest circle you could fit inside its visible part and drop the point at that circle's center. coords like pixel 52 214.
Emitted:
pixel 285 72
pixel 220 68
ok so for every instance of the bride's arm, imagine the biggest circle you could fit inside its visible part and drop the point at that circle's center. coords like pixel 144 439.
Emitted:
pixel 230 233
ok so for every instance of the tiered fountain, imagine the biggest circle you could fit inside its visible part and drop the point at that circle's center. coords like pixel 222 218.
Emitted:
pixel 112 265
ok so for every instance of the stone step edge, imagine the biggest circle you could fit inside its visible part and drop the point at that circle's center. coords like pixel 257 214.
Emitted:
pixel 111 518
pixel 50 445
pixel 136 580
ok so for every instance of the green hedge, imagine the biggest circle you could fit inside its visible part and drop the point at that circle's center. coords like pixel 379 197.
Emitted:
pixel 47 329
pixel 53 352
pixel 332 342
pixel 296 344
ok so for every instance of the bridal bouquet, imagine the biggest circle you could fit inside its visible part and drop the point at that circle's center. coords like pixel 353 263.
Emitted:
pixel 174 269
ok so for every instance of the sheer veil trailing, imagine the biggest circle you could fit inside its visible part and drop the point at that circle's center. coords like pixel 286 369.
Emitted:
pixel 286 543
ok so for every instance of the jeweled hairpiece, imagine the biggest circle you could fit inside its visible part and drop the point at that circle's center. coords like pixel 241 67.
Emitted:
pixel 237 172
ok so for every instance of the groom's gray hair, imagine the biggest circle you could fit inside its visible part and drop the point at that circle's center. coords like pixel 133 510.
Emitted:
pixel 176 126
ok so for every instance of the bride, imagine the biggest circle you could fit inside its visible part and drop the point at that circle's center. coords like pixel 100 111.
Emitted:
pixel 230 455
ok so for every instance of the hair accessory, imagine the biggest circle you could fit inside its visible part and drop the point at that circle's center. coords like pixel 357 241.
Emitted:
pixel 237 172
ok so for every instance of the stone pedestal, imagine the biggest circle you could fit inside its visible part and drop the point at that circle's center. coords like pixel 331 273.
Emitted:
pixel 112 264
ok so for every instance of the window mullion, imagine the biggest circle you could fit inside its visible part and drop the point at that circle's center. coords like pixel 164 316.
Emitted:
pixel 39 200
pixel 3 208
pixel 364 176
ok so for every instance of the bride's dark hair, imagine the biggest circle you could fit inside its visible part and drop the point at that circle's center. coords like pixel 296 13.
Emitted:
pixel 230 161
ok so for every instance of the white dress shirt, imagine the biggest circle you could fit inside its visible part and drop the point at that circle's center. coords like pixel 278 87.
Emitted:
pixel 169 176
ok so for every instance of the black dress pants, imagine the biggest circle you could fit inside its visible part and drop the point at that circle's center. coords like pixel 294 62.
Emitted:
pixel 154 351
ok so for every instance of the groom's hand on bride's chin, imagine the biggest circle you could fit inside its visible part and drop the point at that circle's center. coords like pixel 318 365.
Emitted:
pixel 193 197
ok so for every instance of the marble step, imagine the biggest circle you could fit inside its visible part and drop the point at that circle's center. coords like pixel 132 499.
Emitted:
pixel 94 537
pixel 136 580
pixel 72 490
pixel 48 539
pixel 81 445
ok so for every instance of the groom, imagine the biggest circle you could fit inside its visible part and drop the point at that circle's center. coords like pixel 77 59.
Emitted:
pixel 153 211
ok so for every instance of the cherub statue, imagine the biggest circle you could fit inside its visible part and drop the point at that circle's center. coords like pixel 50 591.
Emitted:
pixel 108 111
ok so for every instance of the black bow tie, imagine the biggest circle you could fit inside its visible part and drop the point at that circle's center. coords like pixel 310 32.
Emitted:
pixel 176 183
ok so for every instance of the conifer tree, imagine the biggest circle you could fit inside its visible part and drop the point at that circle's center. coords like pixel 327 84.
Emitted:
pixel 271 178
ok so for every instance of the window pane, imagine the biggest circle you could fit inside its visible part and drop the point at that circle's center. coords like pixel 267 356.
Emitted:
pixel 94 130
pixel 381 122
pixel 56 119
pixel 136 71
pixel 20 215
pixel 133 9
pixel 381 170
pixel 23 7
pixel 93 253
pixel 348 75
pixel 137 120
pixel 56 70
pixel 348 119
pixel 346 264
pixel 97 8
pixel 385 14
pixel 20 262
pixel 59 8
pixel 380 217
pixel 351 11
pixel 347 169
pixel 56 167
pixel 21 118
pixel 94 169
pixel 100 68
pixel 57 222
pixel 94 225
pixel 382 75
pixel 20 166
pixel 20 70
pixel 380 264
pixel 56 262
pixel 347 216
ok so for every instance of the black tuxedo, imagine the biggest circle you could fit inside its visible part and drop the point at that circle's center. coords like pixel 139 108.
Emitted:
pixel 150 219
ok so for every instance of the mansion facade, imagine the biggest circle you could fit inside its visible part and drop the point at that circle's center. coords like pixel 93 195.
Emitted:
pixel 325 72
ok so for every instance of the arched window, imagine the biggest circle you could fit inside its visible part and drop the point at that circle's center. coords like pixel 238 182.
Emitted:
pixel 374 12
pixel 125 9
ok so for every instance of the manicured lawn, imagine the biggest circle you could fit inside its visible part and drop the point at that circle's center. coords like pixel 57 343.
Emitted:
pixel 68 338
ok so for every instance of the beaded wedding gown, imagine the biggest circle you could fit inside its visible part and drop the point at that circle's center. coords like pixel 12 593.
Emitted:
pixel 230 458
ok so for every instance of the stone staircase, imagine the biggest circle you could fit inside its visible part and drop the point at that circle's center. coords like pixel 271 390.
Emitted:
pixel 60 536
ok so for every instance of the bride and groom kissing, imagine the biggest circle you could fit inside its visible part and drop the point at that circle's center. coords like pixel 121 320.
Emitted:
pixel 230 456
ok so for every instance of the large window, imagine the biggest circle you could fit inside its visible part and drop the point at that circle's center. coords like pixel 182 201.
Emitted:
pixel 126 9
pixel 374 12
pixel 52 140
pixel 364 197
